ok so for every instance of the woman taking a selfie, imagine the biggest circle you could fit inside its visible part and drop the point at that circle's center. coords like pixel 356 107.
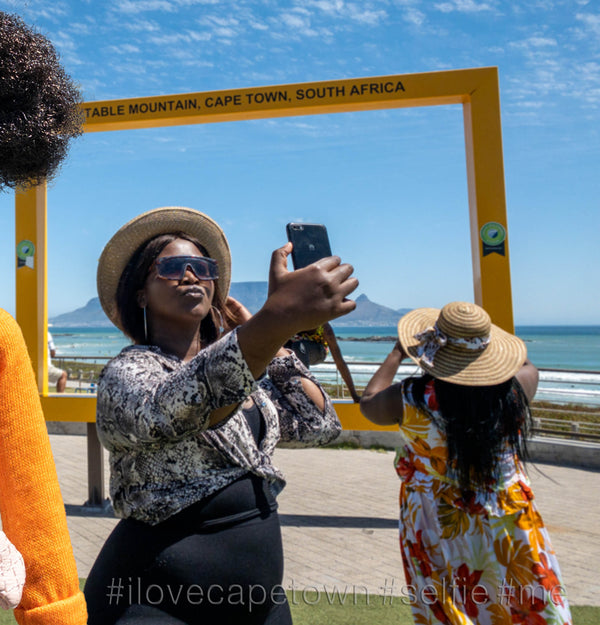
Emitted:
pixel 474 546
pixel 191 422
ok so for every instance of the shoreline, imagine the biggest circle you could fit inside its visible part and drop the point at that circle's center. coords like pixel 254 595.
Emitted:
pixel 368 339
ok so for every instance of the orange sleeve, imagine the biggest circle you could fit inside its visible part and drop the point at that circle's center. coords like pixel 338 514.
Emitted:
pixel 31 505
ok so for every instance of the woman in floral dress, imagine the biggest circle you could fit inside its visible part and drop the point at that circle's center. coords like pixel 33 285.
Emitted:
pixel 474 547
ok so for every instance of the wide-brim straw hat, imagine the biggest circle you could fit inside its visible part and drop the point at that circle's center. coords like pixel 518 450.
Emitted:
pixel 165 220
pixel 461 345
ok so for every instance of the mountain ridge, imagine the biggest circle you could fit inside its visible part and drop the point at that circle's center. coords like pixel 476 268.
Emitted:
pixel 253 295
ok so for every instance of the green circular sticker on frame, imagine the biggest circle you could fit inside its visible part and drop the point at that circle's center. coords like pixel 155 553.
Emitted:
pixel 493 233
pixel 25 249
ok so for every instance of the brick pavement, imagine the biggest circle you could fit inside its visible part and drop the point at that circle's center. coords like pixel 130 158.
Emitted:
pixel 339 518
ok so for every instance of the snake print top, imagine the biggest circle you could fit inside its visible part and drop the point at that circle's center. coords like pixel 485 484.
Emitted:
pixel 153 417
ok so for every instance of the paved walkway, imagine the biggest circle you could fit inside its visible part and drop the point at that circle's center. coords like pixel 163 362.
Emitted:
pixel 339 516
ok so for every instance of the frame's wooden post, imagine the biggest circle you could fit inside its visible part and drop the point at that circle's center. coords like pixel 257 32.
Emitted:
pixel 487 202
pixel 95 453
pixel 32 306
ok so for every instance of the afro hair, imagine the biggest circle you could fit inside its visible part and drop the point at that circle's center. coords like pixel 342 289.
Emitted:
pixel 39 106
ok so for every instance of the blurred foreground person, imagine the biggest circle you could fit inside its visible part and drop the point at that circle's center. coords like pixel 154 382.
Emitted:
pixel 474 546
pixel 191 414
pixel 39 112
pixel 39 115
pixel 56 375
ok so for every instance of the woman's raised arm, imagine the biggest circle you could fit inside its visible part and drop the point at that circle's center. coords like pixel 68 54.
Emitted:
pixel 381 401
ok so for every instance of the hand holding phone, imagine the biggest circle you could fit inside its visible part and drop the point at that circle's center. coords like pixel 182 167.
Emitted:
pixel 306 299
pixel 310 242
pixel 310 296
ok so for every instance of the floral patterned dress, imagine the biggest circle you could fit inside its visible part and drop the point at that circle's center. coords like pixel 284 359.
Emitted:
pixel 484 558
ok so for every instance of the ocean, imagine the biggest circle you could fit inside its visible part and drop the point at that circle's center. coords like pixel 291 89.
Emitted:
pixel 549 347
pixel 568 356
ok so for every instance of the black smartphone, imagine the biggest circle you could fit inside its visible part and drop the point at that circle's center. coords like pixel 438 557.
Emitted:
pixel 310 242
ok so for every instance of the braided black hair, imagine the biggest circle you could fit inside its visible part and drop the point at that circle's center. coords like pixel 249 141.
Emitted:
pixel 479 423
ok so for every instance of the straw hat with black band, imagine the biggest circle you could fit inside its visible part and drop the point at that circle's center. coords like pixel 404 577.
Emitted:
pixel 460 344
pixel 169 219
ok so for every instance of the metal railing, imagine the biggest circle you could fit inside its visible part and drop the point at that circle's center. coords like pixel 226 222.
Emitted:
pixel 85 381
pixel 568 429
pixel 572 394
pixel 579 390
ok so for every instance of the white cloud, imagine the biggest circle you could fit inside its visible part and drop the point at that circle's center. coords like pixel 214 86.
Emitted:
pixel 531 104
pixel 125 48
pixel 299 22
pixel 463 6
pixel 591 71
pixel 539 42
pixel 226 28
pixel 178 38
pixel 361 12
pixel 294 21
pixel 328 6
pixel 129 69
pixel 140 6
pixel 258 25
pixel 65 44
pixel 364 15
pixel 142 26
pixel 544 5
pixel 219 21
pixel 587 83
pixel 40 10
pixel 536 47
pixel 591 21
pixel 414 16
pixel 186 3
pixel 224 32
pixel 79 28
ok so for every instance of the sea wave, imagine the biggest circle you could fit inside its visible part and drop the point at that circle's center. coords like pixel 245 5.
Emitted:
pixel 567 357
pixel 555 385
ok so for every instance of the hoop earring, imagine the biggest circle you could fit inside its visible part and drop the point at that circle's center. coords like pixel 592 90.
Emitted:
pixel 145 326
pixel 221 329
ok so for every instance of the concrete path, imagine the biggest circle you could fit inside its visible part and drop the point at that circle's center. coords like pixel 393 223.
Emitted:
pixel 339 516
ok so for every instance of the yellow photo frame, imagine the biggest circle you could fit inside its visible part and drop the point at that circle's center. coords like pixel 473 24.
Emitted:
pixel 475 89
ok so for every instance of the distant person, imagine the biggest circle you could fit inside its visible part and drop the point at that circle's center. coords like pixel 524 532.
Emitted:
pixel 191 415
pixel 55 375
pixel 39 115
pixel 474 546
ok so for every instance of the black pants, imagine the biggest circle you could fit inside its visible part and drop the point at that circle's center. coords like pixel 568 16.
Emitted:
pixel 173 574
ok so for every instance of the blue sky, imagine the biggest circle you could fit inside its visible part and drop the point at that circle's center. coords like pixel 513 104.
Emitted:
pixel 389 185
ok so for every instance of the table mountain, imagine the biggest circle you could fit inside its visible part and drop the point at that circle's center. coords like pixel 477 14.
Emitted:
pixel 253 295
